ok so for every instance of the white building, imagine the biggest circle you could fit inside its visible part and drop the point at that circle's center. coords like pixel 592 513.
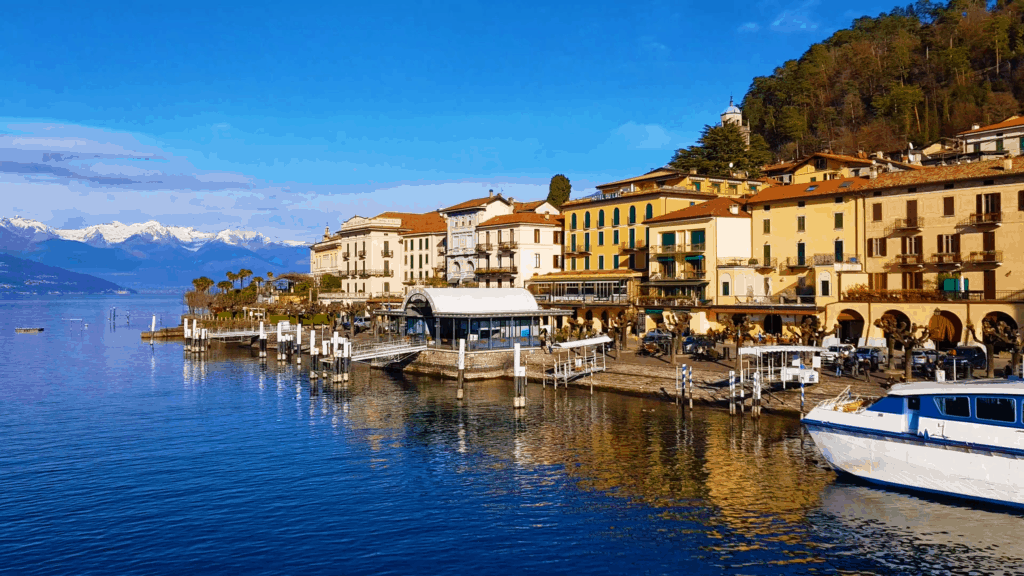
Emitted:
pixel 995 140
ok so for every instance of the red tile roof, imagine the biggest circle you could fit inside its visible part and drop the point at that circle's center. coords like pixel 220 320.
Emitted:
pixel 431 222
pixel 717 208
pixel 523 218
pixel 527 206
pixel 1011 122
pixel 657 173
pixel 474 203
pixel 807 190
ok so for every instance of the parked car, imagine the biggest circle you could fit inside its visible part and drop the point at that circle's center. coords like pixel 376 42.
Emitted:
pixel 690 345
pixel 973 355
pixel 922 357
pixel 833 353
pixel 657 335
pixel 872 355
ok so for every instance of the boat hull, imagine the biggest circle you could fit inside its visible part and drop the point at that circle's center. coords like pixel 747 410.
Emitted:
pixel 917 463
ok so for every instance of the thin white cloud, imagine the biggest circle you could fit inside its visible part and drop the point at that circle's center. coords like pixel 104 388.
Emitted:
pixel 797 18
pixel 644 136
pixel 749 27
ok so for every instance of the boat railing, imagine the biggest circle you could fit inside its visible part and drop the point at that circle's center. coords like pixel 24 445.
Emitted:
pixel 845 401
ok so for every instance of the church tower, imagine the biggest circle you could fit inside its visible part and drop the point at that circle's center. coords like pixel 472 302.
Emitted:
pixel 733 115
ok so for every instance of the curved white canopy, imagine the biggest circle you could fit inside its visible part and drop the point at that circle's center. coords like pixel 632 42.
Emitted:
pixel 759 350
pixel 491 301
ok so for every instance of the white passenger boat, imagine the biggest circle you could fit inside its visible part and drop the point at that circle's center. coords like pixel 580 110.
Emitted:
pixel 963 439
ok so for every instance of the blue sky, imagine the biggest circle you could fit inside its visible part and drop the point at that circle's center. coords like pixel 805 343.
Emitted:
pixel 283 117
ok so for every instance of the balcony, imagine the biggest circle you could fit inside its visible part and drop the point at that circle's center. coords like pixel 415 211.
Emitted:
pixel 880 295
pixel 670 301
pixel 982 221
pixel 638 246
pixel 484 248
pixel 777 300
pixel 497 271
pixel 387 253
pixel 692 248
pixel 905 225
pixel 986 258
pixel 346 255
pixel 906 261
pixel 441 250
pixel 696 276
pixel 797 263
pixel 945 259
pixel 361 254
pixel 578 250
pixel 508 246
pixel 583 298
pixel 765 265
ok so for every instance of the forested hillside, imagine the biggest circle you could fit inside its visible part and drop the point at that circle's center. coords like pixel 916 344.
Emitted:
pixel 914 75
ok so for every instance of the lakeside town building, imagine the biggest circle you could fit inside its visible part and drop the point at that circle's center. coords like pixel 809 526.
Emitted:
pixel 496 241
pixel 994 140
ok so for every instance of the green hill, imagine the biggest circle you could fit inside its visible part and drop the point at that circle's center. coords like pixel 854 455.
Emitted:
pixel 18 276
pixel 913 75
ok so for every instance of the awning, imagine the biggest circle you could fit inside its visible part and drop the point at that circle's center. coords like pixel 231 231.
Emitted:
pixel 665 258
pixel 846 317
pixel 652 311
pixel 697 258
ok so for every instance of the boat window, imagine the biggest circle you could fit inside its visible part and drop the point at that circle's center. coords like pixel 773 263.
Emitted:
pixel 888 405
pixel 956 406
pixel 914 402
pixel 999 409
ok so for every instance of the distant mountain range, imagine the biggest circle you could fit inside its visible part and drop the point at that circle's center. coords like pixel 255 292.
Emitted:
pixel 19 276
pixel 150 256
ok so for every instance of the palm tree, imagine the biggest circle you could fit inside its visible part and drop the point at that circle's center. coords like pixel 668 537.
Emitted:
pixel 232 277
pixel 270 277
pixel 224 286
pixel 257 280
pixel 242 275
pixel 202 284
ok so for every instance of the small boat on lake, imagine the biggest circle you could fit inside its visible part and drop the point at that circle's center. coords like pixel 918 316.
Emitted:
pixel 27 330
pixel 962 439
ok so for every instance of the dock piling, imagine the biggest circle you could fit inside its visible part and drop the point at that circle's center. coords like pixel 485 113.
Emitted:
pixel 298 344
pixel 519 377
pixel 263 341
pixel 462 367
pixel 732 391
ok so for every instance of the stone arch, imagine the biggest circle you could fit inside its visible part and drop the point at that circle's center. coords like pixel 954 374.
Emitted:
pixel 946 329
pixel 589 316
pixel 469 267
pixel 851 326
pixel 996 317
pixel 900 318
pixel 456 268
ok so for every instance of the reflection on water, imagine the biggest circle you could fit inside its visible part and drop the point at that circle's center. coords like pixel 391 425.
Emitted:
pixel 242 465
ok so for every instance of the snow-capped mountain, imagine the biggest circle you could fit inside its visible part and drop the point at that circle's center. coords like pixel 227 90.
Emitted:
pixel 115 233
pixel 31 230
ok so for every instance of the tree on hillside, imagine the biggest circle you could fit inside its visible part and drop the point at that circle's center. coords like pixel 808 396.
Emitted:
pixel 721 150
pixel 559 190
pixel 242 275
pixel 225 285
pixel 231 276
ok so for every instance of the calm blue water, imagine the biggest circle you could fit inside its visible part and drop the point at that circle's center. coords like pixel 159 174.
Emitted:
pixel 122 457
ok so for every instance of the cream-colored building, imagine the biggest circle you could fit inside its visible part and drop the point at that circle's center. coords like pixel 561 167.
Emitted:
pixel 424 241
pixel 464 218
pixel 365 254
pixel 823 166
pixel 513 248
pixel 994 140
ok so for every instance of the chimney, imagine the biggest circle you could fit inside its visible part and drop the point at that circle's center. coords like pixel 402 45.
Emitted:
pixel 975 126
pixel 547 216
pixel 490 193
pixel 1007 164
pixel 873 173
pixel 734 209
pixel 693 171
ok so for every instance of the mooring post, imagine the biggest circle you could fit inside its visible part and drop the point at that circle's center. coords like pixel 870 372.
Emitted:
pixel 743 400
pixel 298 344
pixel 679 384
pixel 263 341
pixel 462 367
pixel 187 336
pixel 346 359
pixel 689 381
pixel 755 410
pixel 280 351
pixel 326 353
pixel 732 391
pixel 312 349
pixel 519 379
pixel 801 397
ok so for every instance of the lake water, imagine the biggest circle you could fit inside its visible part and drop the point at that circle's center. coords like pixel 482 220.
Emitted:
pixel 122 457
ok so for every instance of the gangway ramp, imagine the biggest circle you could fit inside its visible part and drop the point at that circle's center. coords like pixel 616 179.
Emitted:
pixel 389 351
pixel 577 359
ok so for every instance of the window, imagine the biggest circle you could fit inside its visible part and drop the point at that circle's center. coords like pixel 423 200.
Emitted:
pixel 825 287
pixel 876 212
pixel 876 247
pixel 600 218
pixel 696 186
pixel 839 199
pixel 558 237
pixel 572 221
pixel 801 204
pixel 998 409
pixel 767 254
pixel 956 406
pixel 734 189
pixel 814 178
pixel 820 163
pixel 536 260
pixel 801 223
pixel 753 187
pixel 586 262
pixel 725 287
pixel 536 236
pixel 615 217
pixel 947 206
pixel 838 220
pixel 812 187
pixel 586 241
pixel 632 214
pixel 947 186
pixel 948 244
pixel 1020 200
pixel 878 281
pixel 767 226
pixel 999 145
pixel 573 262
pixel 615 261
pixel 572 242
pixel 600 238
pixel 767 207
pixel 554 262
pixel 600 262
pixel 615 237
pixel 586 220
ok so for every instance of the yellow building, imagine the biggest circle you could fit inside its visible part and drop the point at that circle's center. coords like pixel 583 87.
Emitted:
pixel 823 166
pixel 606 240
